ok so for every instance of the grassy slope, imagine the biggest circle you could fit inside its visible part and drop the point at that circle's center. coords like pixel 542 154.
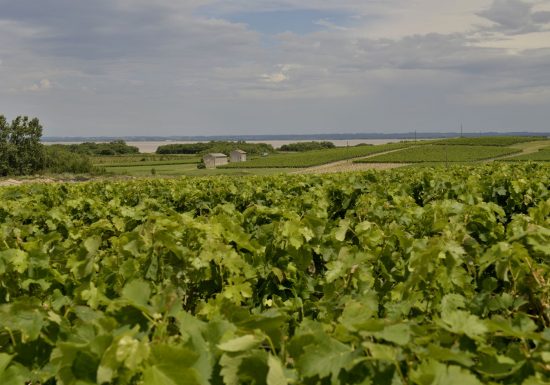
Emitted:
pixel 440 153
pixel 502 141
pixel 185 169
pixel 143 159
pixel 542 155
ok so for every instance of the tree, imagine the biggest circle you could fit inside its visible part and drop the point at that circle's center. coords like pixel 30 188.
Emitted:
pixel 21 152
pixel 4 146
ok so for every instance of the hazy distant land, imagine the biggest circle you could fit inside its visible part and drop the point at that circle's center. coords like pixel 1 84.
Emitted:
pixel 151 143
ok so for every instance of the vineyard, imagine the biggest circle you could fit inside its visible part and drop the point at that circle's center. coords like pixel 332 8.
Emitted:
pixel 415 276
pixel 441 153
pixel 502 141
pixel 144 160
pixel 543 155
pixel 316 157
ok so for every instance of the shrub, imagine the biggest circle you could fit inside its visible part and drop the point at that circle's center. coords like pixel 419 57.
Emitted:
pixel 59 160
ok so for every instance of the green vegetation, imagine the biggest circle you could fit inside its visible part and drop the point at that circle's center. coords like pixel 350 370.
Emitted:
pixel 306 146
pixel 490 140
pixel 20 150
pixel 404 277
pixel 143 158
pixel 216 146
pixel 315 158
pixel 58 161
pixel 193 160
pixel 117 147
pixel 186 160
pixel 185 169
pixel 441 153
pixel 183 148
pixel 543 155
pixel 144 164
pixel 138 169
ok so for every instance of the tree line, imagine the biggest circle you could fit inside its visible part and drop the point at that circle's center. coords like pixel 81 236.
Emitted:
pixel 224 147
pixel 306 146
pixel 116 147
pixel 22 153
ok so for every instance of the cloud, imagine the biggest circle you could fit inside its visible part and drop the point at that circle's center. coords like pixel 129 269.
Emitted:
pixel 42 85
pixel 516 17
pixel 276 77
pixel 208 66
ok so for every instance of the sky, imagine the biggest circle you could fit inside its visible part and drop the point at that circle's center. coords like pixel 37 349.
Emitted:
pixel 240 67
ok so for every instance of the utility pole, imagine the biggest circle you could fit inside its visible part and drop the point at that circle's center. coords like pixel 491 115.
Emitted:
pixel 461 129
pixel 415 135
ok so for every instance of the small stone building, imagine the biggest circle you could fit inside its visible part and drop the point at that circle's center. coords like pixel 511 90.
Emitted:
pixel 214 160
pixel 238 156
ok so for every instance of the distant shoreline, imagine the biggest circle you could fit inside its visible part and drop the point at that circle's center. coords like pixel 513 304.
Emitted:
pixel 258 138
pixel 151 146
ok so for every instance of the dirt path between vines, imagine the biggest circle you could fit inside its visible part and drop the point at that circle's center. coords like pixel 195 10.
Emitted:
pixel 348 165
pixel 18 182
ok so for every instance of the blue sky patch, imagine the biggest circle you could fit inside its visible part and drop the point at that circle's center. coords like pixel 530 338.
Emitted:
pixel 274 22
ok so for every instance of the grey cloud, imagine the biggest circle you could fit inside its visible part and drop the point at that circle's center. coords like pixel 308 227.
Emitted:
pixel 542 17
pixel 102 29
pixel 374 66
pixel 515 16
pixel 125 66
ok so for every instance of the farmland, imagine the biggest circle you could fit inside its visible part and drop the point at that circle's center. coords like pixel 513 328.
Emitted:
pixel 143 159
pixel 441 153
pixel 147 164
pixel 424 153
pixel 315 158
pixel 542 155
pixel 415 276
pixel 501 141
pixel 178 169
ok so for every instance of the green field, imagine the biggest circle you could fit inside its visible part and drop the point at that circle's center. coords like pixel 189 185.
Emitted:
pixel 490 140
pixel 144 164
pixel 542 155
pixel 441 153
pixel 315 158
pixel 193 161
pixel 184 169
pixel 143 159
pixel 429 152
pixel 143 170
pixel 417 276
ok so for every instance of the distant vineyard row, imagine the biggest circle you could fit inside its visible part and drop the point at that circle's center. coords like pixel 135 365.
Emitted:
pixel 502 141
pixel 441 153
pixel 543 155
